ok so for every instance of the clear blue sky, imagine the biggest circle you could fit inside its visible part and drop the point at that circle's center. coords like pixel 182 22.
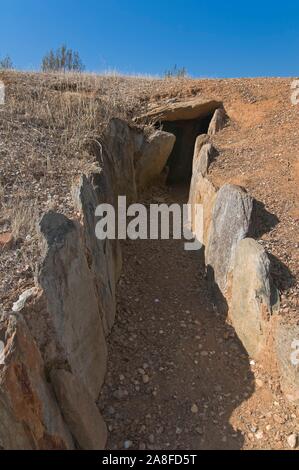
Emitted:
pixel 211 38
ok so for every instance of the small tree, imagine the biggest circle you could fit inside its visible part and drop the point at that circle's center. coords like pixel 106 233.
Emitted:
pixel 6 63
pixel 62 60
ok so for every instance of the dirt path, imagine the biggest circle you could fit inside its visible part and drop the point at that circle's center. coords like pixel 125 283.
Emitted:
pixel 178 376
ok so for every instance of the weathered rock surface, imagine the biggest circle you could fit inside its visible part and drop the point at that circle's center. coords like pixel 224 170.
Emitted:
pixel 218 121
pixel 29 414
pixel 205 157
pixel 201 140
pixel 72 302
pixel 182 110
pixel 202 191
pixel 120 143
pixel 105 183
pixel 154 155
pixel 79 411
pixel 230 223
pixel 287 351
pixel 206 195
pixel 252 295
pixel 102 255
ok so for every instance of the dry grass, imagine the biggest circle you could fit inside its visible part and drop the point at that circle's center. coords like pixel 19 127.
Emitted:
pixel 49 120
pixel 23 220
pixel 46 127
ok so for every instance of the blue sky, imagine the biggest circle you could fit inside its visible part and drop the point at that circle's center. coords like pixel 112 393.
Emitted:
pixel 214 38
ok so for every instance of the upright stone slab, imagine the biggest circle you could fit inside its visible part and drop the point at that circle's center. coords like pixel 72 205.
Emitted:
pixel 218 121
pixel 201 140
pixel 120 144
pixel 204 159
pixel 72 303
pixel 230 223
pixel 79 410
pixel 102 254
pixel 252 296
pixel 153 158
pixel 30 418
pixel 202 191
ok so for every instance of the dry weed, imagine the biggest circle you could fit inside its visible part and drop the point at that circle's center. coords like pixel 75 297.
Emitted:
pixel 24 219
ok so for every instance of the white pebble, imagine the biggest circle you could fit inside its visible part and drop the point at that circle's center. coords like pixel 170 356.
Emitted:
pixel 292 441
pixel 128 444
pixel 194 409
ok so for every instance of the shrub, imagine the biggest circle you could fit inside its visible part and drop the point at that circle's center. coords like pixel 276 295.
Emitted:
pixel 6 63
pixel 62 60
pixel 176 72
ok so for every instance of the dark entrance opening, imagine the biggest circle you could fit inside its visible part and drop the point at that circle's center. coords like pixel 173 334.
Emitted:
pixel 180 161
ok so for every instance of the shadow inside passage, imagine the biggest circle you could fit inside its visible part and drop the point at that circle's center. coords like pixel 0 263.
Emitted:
pixel 181 158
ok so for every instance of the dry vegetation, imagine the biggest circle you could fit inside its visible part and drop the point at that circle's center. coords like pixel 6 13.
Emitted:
pixel 46 126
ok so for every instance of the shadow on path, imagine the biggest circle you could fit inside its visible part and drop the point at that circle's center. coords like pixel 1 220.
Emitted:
pixel 177 371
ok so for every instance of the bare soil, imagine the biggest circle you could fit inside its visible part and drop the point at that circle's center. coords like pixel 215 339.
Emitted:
pixel 178 376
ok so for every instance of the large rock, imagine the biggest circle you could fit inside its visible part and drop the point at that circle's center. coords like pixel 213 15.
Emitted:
pixel 120 144
pixel 252 296
pixel 105 184
pixel 153 158
pixel 71 300
pixel 218 121
pixel 230 223
pixel 200 141
pixel 183 110
pixel 29 414
pixel 79 410
pixel 287 352
pixel 104 255
pixel 201 163
pixel 202 191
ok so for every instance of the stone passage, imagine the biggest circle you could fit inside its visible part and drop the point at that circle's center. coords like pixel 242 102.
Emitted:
pixel 187 121
pixel 179 375
pixel 180 161
pixel 176 370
